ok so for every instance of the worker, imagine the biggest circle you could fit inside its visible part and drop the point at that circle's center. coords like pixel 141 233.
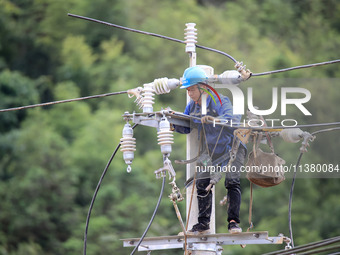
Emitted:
pixel 217 144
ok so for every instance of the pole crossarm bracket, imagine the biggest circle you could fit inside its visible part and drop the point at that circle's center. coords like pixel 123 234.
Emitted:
pixel 176 242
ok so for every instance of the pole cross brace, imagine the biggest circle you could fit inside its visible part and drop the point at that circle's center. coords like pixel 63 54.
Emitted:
pixel 195 241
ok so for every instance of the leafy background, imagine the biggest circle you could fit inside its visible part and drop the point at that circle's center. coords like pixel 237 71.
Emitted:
pixel 51 158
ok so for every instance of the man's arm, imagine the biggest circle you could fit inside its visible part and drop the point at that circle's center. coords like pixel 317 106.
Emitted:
pixel 225 112
pixel 180 129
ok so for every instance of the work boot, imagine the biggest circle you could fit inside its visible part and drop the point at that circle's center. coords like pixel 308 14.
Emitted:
pixel 200 228
pixel 234 228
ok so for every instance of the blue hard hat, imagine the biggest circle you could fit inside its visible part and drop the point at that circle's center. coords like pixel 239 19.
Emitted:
pixel 192 76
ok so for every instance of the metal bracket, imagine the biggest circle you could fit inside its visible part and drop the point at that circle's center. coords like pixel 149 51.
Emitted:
pixel 167 166
pixel 306 138
pixel 176 194
pixel 194 241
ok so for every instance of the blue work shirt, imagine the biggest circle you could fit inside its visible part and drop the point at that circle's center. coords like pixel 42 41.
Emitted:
pixel 224 111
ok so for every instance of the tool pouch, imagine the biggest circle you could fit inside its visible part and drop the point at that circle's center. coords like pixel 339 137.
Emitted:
pixel 263 168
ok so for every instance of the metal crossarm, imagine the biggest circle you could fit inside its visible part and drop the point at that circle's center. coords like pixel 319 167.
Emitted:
pixel 175 242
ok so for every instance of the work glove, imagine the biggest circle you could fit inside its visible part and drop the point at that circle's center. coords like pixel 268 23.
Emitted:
pixel 207 119
pixel 214 179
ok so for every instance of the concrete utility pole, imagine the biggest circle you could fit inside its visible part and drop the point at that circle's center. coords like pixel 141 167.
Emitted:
pixel 201 244
pixel 192 151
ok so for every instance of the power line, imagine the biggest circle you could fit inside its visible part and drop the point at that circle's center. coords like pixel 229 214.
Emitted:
pixel 151 34
pixel 297 67
pixel 62 101
pixel 307 247
pixel 96 192
pixel 200 46
pixel 291 199
pixel 152 217
pixel 325 130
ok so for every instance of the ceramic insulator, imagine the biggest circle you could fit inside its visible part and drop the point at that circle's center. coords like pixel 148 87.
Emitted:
pixel 190 37
pixel 148 100
pixel 128 145
pixel 165 136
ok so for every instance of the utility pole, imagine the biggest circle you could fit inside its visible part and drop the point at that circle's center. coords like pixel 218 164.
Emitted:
pixel 200 244
pixel 192 151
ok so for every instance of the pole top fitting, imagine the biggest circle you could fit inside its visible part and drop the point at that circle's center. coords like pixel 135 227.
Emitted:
pixel 190 37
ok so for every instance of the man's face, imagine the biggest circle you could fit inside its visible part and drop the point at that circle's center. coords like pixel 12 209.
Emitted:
pixel 194 93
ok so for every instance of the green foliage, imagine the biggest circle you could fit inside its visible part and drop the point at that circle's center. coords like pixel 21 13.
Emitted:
pixel 15 89
pixel 52 158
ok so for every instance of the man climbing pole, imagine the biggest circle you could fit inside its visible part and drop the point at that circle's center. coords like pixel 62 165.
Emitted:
pixel 216 143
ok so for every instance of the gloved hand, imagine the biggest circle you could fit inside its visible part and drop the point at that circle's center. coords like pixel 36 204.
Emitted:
pixel 207 118
pixel 214 179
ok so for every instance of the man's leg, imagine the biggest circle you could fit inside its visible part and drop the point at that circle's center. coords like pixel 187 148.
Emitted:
pixel 204 199
pixel 232 184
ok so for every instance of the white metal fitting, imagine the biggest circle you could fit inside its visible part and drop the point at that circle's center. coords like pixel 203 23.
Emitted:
pixel 128 145
pixel 158 86
pixel 230 77
pixel 165 136
pixel 164 85
pixel 190 37
pixel 291 135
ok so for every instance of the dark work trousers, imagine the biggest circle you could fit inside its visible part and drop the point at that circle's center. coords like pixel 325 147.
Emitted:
pixel 232 184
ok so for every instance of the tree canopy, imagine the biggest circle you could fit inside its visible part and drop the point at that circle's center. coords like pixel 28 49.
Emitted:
pixel 51 158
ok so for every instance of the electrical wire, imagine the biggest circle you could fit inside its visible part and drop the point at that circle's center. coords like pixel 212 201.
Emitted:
pixel 296 67
pixel 152 217
pixel 225 122
pixel 325 130
pixel 306 247
pixel 151 34
pixel 62 101
pixel 96 192
pixel 291 199
pixel 293 184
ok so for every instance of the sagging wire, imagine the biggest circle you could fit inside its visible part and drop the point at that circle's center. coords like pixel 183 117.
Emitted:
pixel 293 184
pixel 325 130
pixel 152 217
pixel 96 192
pixel 310 247
pixel 63 101
pixel 200 46
pixel 297 67
pixel 151 34
pixel 291 199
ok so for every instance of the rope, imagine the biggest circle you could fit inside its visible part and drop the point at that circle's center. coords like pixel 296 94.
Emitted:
pixel 96 192
pixel 151 34
pixel 62 101
pixel 205 139
pixel 250 208
pixel 189 212
pixel 218 138
pixel 297 67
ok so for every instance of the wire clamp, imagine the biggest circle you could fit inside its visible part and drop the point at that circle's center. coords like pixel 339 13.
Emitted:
pixel 307 137
pixel 287 241
pixel 137 93
pixel 176 194
pixel 167 167
pixel 245 73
